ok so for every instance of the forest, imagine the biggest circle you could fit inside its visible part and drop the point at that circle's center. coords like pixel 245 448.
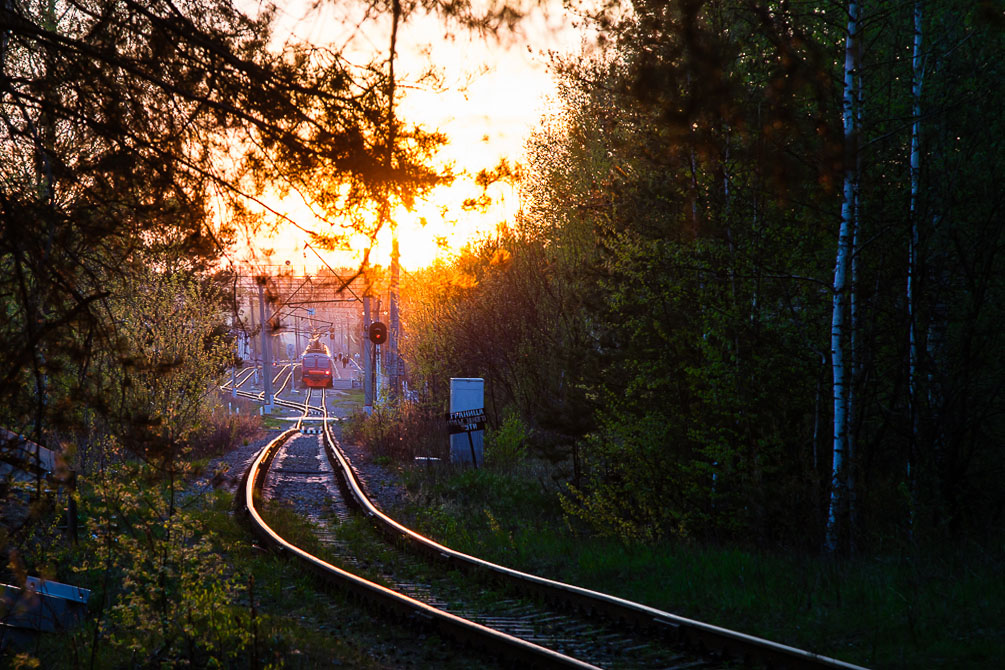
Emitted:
pixel 752 297
pixel 755 287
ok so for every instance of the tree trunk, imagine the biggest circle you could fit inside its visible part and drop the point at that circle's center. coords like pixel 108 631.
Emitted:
pixel 836 515
pixel 394 325
pixel 851 456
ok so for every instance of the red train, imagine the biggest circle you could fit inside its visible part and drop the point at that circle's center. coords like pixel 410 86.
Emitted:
pixel 316 364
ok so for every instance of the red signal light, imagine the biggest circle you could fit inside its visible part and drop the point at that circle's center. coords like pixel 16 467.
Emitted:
pixel 377 332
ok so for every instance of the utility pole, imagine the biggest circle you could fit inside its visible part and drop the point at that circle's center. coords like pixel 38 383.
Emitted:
pixel 367 358
pixel 391 361
pixel 376 371
pixel 376 360
pixel 391 350
pixel 251 327
pixel 266 349
pixel 237 349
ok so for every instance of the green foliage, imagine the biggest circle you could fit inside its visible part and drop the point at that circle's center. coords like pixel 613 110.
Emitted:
pixel 635 489
pixel 881 612
pixel 248 608
pixel 168 595
pixel 149 399
pixel 291 526
pixel 506 446
pixel 168 363
pixel 505 313
pixel 660 311
pixel 488 512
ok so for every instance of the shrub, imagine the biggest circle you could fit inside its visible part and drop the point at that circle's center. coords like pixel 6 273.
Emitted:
pixel 399 432
pixel 222 430
pixel 506 446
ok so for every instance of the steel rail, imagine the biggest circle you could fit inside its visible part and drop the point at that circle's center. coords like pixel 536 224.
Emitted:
pixel 307 407
pixel 283 368
pixel 399 604
pixel 279 374
pixel 279 401
pixel 736 644
pixel 242 379
pixel 276 400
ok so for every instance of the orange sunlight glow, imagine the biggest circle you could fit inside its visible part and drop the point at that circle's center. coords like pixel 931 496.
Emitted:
pixel 437 227
pixel 491 95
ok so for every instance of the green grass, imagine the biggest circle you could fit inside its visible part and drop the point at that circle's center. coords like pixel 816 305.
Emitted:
pixel 326 629
pixel 943 611
pixel 352 397
pixel 273 423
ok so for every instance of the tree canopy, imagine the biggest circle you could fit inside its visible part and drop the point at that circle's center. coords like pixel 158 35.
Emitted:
pixel 677 244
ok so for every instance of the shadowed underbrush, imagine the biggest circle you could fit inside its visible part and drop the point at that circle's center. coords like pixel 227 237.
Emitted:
pixel 227 604
pixel 940 609
pixel 937 611
pixel 399 433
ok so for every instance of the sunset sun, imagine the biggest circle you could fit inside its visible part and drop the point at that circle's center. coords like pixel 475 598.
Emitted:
pixel 485 96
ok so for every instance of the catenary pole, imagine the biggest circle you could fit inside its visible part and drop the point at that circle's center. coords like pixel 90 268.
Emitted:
pixel 266 349
pixel 367 358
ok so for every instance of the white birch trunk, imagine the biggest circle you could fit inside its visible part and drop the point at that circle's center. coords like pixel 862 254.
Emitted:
pixel 838 497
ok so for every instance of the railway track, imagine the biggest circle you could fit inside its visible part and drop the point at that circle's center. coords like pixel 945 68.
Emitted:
pixel 286 370
pixel 387 600
pixel 294 477
pixel 549 624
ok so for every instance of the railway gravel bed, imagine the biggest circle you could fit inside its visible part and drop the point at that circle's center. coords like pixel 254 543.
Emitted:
pixel 301 479
pixel 297 478
pixel 226 471
pixel 382 644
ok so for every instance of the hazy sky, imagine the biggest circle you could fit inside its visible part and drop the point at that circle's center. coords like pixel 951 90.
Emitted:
pixel 490 95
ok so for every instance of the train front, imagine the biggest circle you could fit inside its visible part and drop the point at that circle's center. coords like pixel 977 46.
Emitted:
pixel 316 365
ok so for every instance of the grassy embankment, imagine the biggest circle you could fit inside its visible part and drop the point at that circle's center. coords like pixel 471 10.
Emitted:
pixel 889 611
pixel 268 610
pixel 198 591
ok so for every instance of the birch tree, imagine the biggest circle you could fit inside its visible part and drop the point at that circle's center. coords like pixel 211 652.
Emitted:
pixel 841 379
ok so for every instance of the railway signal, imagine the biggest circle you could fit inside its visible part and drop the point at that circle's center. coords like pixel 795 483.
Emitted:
pixel 377 332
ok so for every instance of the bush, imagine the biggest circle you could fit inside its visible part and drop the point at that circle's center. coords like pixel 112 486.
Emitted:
pixel 168 596
pixel 400 432
pixel 222 431
pixel 506 446
pixel 634 489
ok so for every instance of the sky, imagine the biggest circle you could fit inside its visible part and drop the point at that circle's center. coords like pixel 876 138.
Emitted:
pixel 491 96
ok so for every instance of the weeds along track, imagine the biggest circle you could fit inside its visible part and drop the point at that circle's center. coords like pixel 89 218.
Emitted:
pixel 393 603
pixel 519 617
pixel 652 630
